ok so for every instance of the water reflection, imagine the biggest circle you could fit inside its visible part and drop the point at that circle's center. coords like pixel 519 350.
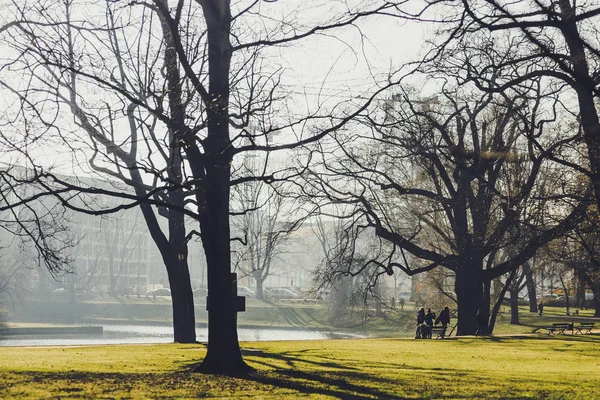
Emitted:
pixel 131 334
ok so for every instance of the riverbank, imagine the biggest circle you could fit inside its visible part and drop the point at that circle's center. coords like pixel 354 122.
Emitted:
pixel 276 315
pixel 496 367
pixel 16 329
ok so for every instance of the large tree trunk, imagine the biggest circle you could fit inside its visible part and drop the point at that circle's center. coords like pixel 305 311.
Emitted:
pixel 596 304
pixel 530 287
pixel 583 85
pixel 469 295
pixel 223 355
pixel 514 307
pixel 111 280
pixel 184 318
pixel 175 258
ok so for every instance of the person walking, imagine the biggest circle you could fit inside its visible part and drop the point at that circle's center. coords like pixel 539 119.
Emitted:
pixel 541 308
pixel 420 322
pixel 429 318
pixel 444 320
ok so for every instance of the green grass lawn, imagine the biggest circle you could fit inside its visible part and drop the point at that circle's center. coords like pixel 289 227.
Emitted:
pixel 545 367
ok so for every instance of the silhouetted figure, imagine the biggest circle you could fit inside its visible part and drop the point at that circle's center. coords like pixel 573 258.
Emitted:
pixel 393 302
pixel 541 308
pixel 421 316
pixel 429 318
pixel 444 320
pixel 420 323
pixel 401 304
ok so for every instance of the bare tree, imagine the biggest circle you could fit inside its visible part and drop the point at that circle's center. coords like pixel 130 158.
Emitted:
pixel 455 180
pixel 32 235
pixel 351 286
pixel 556 41
pixel 265 225
pixel 160 97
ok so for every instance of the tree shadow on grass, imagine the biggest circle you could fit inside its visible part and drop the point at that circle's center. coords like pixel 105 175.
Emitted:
pixel 336 379
pixel 272 359
pixel 333 379
pixel 590 338
pixel 336 385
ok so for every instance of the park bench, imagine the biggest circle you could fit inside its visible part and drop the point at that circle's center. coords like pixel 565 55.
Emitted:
pixel 438 331
pixel 584 327
pixel 559 328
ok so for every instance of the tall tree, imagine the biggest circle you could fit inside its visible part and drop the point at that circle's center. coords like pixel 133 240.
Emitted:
pixel 558 42
pixel 455 181
pixel 161 96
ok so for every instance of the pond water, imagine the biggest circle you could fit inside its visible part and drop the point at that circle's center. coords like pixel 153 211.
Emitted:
pixel 130 334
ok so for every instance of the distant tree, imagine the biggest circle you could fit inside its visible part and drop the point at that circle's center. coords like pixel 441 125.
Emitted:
pixel 353 284
pixel 33 234
pixel 577 255
pixel 266 228
pixel 105 250
pixel 15 278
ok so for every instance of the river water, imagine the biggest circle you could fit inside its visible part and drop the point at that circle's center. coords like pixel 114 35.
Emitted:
pixel 130 334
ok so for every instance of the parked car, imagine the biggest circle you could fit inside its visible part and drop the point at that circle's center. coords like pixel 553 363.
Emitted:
pixel 281 293
pixel 245 291
pixel 322 294
pixel 589 296
pixel 404 295
pixel 160 292
pixel 200 292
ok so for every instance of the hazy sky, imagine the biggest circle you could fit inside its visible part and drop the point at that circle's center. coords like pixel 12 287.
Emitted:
pixel 320 71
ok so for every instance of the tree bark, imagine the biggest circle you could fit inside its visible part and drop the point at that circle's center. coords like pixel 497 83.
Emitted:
pixel 498 304
pixel 580 290
pixel 583 85
pixel 596 302
pixel 469 294
pixel 184 318
pixel 514 307
pixel 530 287
pixel 223 354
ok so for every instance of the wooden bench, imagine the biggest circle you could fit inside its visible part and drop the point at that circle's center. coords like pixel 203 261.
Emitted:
pixel 584 327
pixel 438 331
pixel 559 328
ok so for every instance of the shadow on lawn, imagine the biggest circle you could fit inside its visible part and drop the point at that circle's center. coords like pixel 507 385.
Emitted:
pixel 335 383
pixel 270 360
pixel 591 338
pixel 333 378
